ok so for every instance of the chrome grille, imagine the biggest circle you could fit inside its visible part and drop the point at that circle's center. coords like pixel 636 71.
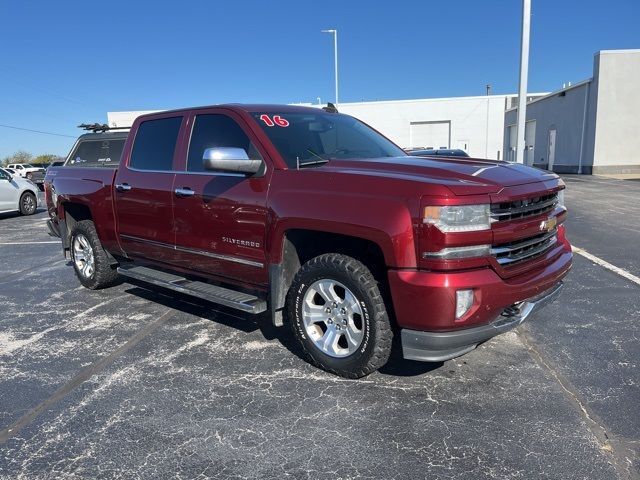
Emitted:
pixel 501 212
pixel 514 252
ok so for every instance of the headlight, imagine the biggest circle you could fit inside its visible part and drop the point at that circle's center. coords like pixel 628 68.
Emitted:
pixel 458 218
pixel 561 198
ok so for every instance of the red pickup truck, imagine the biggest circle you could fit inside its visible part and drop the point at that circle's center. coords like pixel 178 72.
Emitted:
pixel 322 222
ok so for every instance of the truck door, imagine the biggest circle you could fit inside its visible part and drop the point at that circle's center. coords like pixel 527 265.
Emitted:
pixel 220 218
pixel 143 190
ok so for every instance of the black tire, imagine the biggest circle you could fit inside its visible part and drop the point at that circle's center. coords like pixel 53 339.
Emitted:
pixel 375 347
pixel 104 274
pixel 29 175
pixel 28 203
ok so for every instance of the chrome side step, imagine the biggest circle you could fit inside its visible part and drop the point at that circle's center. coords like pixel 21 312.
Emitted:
pixel 213 293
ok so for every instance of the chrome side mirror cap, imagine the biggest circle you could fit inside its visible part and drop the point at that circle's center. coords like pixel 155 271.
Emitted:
pixel 229 159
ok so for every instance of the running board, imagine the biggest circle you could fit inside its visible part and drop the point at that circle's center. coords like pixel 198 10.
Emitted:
pixel 223 296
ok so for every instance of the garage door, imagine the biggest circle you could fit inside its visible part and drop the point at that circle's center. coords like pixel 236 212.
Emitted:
pixel 431 134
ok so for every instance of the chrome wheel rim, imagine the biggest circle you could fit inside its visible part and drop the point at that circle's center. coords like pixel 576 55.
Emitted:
pixel 28 203
pixel 83 256
pixel 333 319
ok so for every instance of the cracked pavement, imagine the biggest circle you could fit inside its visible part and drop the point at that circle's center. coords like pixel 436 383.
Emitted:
pixel 133 383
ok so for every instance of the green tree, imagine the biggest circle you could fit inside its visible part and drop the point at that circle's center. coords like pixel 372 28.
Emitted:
pixel 45 158
pixel 19 157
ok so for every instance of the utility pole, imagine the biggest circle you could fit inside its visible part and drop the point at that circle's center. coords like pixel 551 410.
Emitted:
pixel 335 56
pixel 524 73
pixel 486 142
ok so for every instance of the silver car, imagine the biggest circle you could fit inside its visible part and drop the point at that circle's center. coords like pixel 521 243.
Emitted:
pixel 17 193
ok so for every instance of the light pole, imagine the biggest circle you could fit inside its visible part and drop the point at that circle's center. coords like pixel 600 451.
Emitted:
pixel 486 140
pixel 524 73
pixel 335 56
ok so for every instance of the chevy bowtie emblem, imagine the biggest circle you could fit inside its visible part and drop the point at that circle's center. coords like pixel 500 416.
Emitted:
pixel 548 224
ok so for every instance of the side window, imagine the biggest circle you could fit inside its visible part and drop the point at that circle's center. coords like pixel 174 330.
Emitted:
pixel 97 153
pixel 216 130
pixel 155 144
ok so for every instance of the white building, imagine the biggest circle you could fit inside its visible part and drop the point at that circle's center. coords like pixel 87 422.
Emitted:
pixel 474 124
pixel 590 127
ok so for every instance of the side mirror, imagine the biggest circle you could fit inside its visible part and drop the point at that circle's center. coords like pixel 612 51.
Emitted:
pixel 229 159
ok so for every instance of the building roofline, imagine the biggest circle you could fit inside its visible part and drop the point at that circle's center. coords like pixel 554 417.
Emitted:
pixel 552 94
pixel 438 99
pixel 628 50
pixel 377 102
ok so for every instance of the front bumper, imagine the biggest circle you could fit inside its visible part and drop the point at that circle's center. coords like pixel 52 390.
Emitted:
pixel 441 346
pixel 425 300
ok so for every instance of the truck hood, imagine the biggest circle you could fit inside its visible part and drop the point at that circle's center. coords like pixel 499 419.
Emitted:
pixel 463 176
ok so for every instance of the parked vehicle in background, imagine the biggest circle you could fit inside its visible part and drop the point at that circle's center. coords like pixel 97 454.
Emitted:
pixel 439 152
pixel 25 170
pixel 36 177
pixel 17 193
pixel 323 222
pixel 57 163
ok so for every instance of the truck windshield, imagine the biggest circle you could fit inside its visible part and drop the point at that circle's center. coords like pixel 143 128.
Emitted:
pixel 314 138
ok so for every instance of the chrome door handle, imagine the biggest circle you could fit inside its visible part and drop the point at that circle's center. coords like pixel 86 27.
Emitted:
pixel 123 187
pixel 184 192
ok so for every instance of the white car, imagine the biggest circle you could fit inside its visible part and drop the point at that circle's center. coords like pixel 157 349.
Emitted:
pixel 17 193
pixel 24 169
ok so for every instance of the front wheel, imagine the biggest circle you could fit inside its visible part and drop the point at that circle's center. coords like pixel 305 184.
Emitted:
pixel 338 316
pixel 28 203
pixel 90 261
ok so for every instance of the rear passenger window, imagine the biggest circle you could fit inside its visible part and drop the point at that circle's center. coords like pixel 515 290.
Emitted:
pixel 216 130
pixel 155 144
pixel 97 153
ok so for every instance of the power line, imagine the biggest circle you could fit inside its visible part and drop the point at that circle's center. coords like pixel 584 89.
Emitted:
pixel 37 131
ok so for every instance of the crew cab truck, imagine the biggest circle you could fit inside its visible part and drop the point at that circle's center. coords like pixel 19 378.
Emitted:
pixel 322 223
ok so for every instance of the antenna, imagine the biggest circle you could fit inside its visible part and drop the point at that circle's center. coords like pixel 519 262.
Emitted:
pixel 331 108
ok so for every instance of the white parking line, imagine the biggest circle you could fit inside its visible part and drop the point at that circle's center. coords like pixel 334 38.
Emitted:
pixel 603 263
pixel 28 243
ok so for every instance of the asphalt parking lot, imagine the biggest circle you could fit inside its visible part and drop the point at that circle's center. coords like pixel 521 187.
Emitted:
pixel 131 383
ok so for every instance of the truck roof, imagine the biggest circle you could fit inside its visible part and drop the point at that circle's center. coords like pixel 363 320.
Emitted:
pixel 246 107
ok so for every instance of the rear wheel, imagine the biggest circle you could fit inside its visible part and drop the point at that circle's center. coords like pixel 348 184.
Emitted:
pixel 90 261
pixel 28 203
pixel 338 315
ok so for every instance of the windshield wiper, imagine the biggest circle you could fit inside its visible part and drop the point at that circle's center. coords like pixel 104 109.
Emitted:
pixel 312 162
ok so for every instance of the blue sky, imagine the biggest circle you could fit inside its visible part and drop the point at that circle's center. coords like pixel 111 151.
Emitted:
pixel 64 63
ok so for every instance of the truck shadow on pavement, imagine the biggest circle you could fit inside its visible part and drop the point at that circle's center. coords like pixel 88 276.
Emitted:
pixel 396 366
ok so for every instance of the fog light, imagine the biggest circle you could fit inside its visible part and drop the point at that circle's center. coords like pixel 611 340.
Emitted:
pixel 464 301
